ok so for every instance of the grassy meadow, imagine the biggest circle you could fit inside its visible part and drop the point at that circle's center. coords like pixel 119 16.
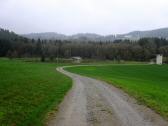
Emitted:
pixel 28 91
pixel 147 83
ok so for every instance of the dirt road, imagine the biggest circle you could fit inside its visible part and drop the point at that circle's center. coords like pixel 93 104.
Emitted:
pixel 95 103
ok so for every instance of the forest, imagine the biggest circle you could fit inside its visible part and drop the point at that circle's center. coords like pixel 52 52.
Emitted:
pixel 144 49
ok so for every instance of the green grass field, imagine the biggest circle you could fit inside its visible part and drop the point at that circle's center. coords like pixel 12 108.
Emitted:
pixel 28 91
pixel 147 83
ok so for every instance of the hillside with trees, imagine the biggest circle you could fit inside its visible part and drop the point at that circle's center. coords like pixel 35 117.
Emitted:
pixel 12 45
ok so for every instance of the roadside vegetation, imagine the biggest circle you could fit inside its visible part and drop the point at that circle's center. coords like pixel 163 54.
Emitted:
pixel 28 91
pixel 147 83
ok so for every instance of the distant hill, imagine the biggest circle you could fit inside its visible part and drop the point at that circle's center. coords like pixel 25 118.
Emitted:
pixel 86 37
pixel 135 35
pixel 80 36
pixel 159 33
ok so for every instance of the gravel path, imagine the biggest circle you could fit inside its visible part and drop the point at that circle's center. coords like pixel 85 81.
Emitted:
pixel 95 103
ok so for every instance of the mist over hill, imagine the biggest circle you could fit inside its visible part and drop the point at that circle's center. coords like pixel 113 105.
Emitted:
pixel 45 35
pixel 135 35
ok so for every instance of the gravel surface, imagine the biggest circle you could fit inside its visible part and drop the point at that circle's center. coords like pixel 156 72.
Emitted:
pixel 95 103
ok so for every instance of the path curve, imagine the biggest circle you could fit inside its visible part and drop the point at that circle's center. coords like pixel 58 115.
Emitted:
pixel 91 102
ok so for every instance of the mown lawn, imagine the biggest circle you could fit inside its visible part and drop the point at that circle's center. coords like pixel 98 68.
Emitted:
pixel 147 83
pixel 28 91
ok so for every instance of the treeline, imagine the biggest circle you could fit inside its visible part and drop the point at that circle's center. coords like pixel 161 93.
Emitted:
pixel 12 45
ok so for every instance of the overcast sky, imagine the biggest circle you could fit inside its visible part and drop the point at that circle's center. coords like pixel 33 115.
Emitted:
pixel 86 16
